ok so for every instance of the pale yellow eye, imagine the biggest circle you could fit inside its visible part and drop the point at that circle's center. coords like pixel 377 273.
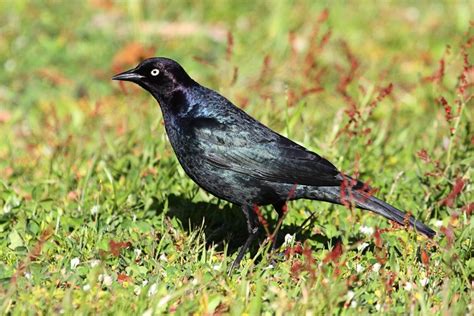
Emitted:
pixel 155 72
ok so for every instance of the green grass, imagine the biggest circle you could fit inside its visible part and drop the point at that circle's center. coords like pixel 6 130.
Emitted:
pixel 97 216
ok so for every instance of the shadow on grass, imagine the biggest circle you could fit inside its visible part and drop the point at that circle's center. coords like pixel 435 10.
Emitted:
pixel 226 225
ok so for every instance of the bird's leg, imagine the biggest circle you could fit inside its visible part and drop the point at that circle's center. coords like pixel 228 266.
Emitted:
pixel 252 227
pixel 279 208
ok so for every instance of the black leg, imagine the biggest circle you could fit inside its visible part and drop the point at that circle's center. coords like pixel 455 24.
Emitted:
pixel 252 227
pixel 279 209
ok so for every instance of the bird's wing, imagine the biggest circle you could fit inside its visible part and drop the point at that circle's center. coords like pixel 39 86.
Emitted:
pixel 252 149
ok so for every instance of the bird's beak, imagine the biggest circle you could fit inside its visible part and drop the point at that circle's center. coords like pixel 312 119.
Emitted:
pixel 129 75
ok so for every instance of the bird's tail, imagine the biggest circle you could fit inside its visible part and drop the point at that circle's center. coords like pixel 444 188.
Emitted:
pixel 364 200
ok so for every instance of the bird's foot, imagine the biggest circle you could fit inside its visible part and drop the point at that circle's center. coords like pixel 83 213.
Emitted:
pixel 243 250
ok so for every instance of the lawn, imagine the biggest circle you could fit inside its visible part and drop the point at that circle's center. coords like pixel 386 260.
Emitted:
pixel 97 216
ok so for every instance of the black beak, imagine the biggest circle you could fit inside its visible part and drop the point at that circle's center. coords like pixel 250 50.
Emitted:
pixel 129 75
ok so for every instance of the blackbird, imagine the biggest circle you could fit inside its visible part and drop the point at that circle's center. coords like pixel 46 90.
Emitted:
pixel 236 158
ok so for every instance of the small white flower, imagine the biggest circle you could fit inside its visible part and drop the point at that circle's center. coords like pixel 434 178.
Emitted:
pixel 424 281
pixel 362 246
pixel 107 281
pixel 95 209
pixel 145 282
pixel 28 275
pixel 350 295
pixel 137 252
pixel 438 223
pixel 153 289
pixel 137 290
pixel 359 268
pixel 7 208
pixel 74 263
pixel 86 288
pixel 366 230
pixel 216 267
pixel 354 304
pixel 148 312
pixel 408 286
pixel 269 267
pixel 95 263
pixel 163 257
pixel 300 43
pixel 376 267
pixel 378 307
pixel 289 239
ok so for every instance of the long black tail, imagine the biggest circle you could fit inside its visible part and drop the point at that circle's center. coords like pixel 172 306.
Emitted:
pixel 368 202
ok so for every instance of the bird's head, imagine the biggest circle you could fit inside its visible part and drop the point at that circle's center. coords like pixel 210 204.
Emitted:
pixel 160 76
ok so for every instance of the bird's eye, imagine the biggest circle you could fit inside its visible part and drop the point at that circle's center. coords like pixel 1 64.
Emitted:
pixel 155 72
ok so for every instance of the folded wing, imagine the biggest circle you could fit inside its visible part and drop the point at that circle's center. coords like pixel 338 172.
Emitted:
pixel 261 154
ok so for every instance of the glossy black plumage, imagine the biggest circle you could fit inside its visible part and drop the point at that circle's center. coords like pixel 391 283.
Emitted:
pixel 238 159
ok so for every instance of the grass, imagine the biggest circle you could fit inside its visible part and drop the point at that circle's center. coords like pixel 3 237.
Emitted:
pixel 97 216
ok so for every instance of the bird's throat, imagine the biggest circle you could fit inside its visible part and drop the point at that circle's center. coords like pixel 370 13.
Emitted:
pixel 174 104
pixel 178 102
